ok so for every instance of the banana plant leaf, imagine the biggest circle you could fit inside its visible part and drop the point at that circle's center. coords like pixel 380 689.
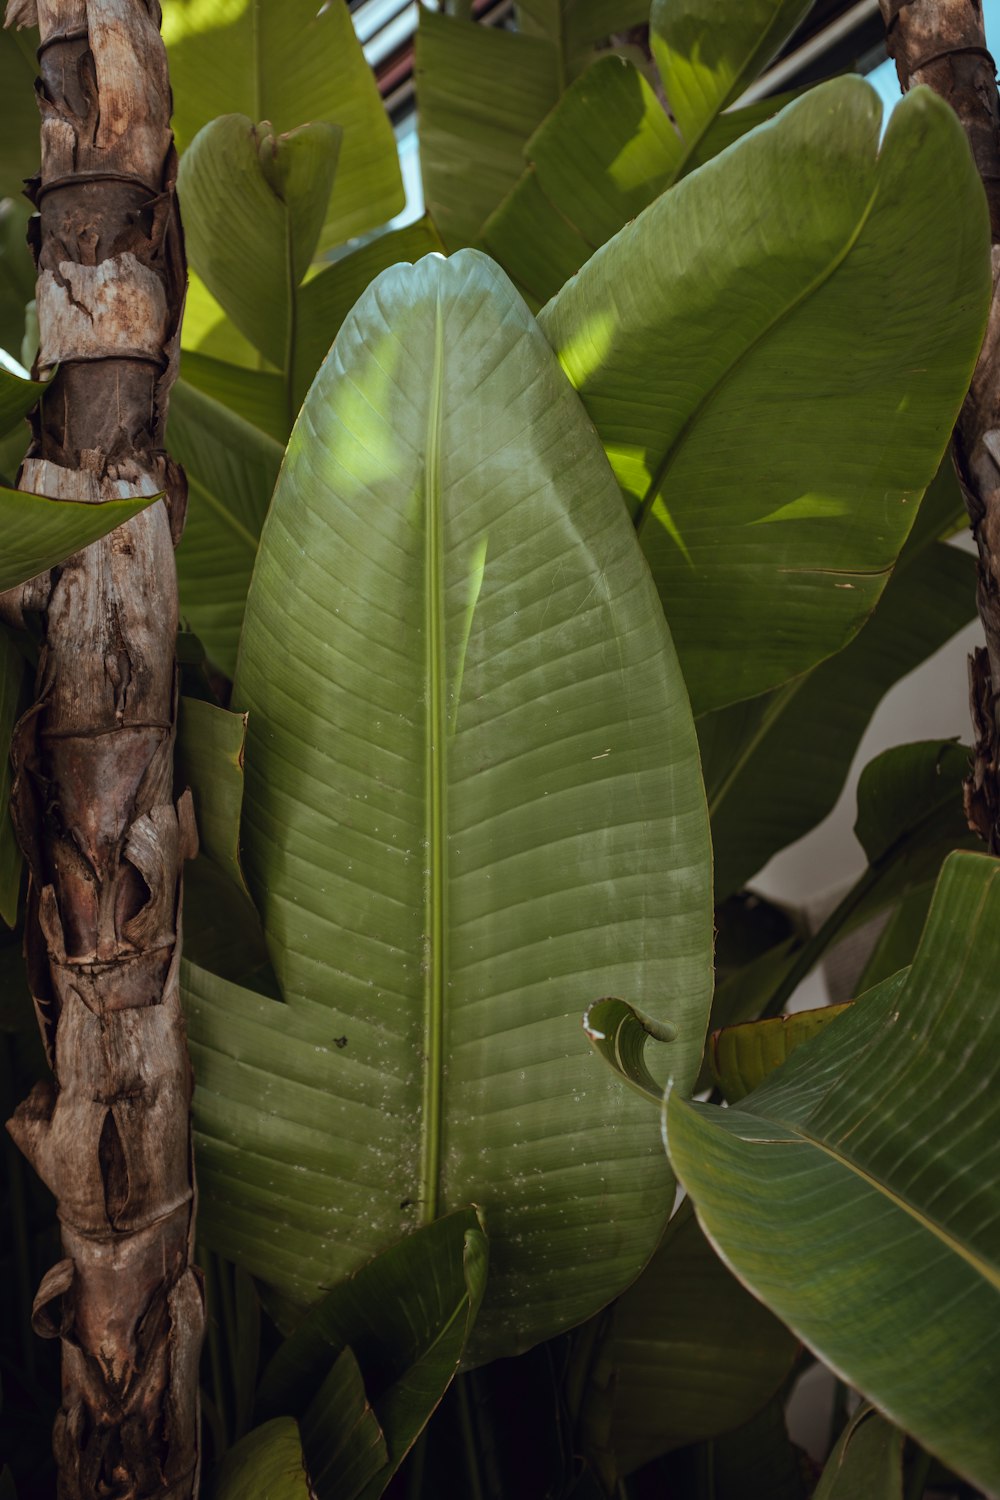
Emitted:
pixel 326 298
pixel 209 751
pixel 742 1056
pixel 686 1354
pixel 406 1319
pixel 857 1191
pixel 773 494
pixel 258 396
pixel 609 148
pixel 868 1461
pixel 38 534
pixel 472 796
pixel 482 92
pixel 783 776
pixel 268 1461
pixel 290 64
pixel 253 205
pixel 231 468
pixel 17 397
pixel 207 329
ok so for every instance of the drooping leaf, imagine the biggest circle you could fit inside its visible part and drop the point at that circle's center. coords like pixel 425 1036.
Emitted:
pixel 290 64
pixel 209 753
pixel 857 1192
pixel 253 205
pixel 12 671
pixel 327 298
pixel 406 1317
pixel 231 468
pixel 898 940
pixel 868 1461
pixel 687 1355
pixel 782 762
pixel 345 1449
pixel 268 1461
pixel 774 492
pixel 38 534
pixel 17 397
pixel 743 1056
pixel 472 798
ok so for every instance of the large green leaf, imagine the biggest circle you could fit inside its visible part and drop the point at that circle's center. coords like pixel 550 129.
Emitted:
pixel 406 1317
pixel 38 533
pixel 772 490
pixel 253 206
pixel 867 1461
pixel 686 1354
pixel 210 743
pixel 291 64
pixel 258 396
pixel 775 767
pixel 231 467
pixel 857 1192
pixel 472 800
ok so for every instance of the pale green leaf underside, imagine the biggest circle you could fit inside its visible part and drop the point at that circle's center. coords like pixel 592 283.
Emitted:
pixel 473 802
pixel 777 488
pixel 291 63
pixel 857 1192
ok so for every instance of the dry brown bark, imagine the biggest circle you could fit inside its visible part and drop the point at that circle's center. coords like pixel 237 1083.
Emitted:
pixel 93 799
pixel 942 43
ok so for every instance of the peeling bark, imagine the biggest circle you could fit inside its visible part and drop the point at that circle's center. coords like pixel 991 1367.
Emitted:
pixel 93 799
pixel 942 43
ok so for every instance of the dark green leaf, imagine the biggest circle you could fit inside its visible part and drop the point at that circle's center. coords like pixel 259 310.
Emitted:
pixel 210 743
pixel 857 1192
pixel 687 1355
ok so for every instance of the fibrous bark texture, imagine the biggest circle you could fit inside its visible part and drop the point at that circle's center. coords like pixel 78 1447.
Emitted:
pixel 93 799
pixel 942 43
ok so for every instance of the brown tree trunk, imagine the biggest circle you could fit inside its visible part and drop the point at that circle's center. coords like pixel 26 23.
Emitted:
pixel 93 799
pixel 942 43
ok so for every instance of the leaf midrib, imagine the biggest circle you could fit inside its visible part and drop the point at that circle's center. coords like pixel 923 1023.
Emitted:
pixel 691 422
pixel 435 776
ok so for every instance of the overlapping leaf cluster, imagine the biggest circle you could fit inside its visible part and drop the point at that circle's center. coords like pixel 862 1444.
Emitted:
pixel 617 506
